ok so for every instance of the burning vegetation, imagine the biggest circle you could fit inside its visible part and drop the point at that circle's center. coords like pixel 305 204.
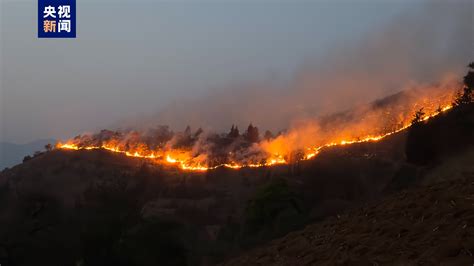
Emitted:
pixel 200 150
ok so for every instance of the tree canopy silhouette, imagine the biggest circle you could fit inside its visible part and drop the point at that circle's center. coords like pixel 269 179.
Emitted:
pixel 252 134
pixel 418 116
pixel 465 96
pixel 234 132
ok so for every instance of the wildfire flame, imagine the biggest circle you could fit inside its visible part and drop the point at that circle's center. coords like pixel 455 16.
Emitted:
pixel 184 160
pixel 201 152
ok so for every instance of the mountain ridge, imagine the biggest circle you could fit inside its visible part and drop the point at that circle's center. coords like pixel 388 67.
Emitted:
pixel 13 153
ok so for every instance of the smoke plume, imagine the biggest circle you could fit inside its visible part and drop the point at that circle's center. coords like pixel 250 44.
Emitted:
pixel 418 49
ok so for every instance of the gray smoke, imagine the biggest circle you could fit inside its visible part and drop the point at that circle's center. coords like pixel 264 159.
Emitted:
pixel 422 47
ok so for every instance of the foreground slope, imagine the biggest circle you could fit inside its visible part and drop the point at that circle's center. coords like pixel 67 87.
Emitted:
pixel 428 221
pixel 99 208
pixel 427 225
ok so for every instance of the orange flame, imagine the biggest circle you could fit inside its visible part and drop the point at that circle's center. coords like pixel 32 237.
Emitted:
pixel 185 161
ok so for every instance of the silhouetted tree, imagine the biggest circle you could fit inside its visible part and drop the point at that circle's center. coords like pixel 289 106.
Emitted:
pixel 26 158
pixel 268 135
pixel 252 133
pixel 162 133
pixel 465 96
pixel 184 140
pixel 198 132
pixel 234 132
pixel 187 131
pixel 48 147
pixel 469 78
pixel 274 209
pixel 418 116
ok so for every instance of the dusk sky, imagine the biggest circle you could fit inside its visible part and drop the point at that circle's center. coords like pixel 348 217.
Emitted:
pixel 136 58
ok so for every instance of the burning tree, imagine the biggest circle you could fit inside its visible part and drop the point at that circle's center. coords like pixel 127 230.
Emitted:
pixel 418 117
pixel 236 149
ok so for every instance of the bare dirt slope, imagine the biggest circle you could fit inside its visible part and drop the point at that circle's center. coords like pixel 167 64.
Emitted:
pixel 430 225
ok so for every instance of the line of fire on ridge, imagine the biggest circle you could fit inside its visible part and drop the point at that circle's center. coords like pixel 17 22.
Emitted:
pixel 275 160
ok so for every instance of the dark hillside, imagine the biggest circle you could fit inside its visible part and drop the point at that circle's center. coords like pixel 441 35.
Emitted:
pixel 430 222
pixel 443 136
pixel 99 208
pixel 431 225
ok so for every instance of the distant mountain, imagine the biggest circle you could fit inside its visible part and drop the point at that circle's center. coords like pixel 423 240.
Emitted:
pixel 12 153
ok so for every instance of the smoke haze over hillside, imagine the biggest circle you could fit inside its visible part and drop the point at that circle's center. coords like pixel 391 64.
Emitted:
pixel 428 45
pixel 212 65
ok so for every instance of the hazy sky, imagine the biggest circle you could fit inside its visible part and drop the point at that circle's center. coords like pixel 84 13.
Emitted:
pixel 136 57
